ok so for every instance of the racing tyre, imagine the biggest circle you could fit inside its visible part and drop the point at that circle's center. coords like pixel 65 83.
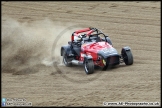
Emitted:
pixel 65 60
pixel 89 66
pixel 127 57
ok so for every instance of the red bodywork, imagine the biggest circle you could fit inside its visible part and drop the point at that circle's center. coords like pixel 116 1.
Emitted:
pixel 91 48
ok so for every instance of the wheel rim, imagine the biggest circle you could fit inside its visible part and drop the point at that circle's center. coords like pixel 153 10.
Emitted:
pixel 65 60
pixel 86 67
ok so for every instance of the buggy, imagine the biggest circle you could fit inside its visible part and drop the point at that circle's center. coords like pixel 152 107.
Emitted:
pixel 91 48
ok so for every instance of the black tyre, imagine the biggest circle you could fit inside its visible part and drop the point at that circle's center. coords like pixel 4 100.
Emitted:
pixel 127 57
pixel 65 60
pixel 96 67
pixel 104 62
pixel 89 66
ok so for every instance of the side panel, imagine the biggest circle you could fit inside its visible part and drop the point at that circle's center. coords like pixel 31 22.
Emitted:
pixel 93 54
pixel 77 50
pixel 82 55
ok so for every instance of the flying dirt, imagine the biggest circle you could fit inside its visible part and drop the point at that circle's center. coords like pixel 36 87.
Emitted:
pixel 26 46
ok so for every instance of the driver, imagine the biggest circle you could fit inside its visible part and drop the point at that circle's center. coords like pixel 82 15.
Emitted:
pixel 77 38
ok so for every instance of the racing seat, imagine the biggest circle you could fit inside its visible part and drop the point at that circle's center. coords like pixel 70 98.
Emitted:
pixel 76 48
pixel 98 39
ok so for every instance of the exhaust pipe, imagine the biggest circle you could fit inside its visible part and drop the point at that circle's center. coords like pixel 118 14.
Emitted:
pixel 76 62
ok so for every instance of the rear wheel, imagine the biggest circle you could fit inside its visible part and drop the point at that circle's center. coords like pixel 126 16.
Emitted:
pixel 127 57
pixel 89 66
pixel 65 59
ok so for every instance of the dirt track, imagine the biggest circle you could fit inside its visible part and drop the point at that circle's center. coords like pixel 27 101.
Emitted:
pixel 136 24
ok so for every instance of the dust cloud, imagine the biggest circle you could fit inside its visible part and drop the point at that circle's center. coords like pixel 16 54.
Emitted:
pixel 27 46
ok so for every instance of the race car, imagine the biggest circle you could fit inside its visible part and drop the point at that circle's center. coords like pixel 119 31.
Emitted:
pixel 91 48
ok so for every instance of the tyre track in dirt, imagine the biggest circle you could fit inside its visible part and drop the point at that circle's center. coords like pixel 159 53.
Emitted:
pixel 136 24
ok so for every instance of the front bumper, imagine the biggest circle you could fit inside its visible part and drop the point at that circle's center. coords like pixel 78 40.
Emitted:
pixel 113 60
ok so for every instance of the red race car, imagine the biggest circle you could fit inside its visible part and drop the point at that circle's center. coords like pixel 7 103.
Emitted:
pixel 92 48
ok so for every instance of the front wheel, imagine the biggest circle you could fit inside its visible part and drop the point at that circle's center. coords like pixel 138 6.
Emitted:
pixel 127 57
pixel 89 66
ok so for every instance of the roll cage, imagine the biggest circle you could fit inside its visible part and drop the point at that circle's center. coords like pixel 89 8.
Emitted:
pixel 88 32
